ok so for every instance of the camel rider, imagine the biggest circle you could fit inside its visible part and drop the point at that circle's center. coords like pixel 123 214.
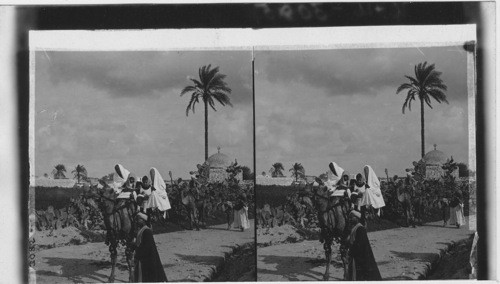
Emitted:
pixel 359 188
pixel 373 195
pixel 335 177
pixel 124 183
pixel 344 184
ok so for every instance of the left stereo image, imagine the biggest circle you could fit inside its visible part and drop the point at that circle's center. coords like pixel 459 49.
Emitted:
pixel 141 165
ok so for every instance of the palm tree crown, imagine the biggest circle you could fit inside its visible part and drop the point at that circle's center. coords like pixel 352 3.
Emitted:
pixel 59 171
pixel 209 88
pixel 80 172
pixel 425 85
pixel 297 171
pixel 277 170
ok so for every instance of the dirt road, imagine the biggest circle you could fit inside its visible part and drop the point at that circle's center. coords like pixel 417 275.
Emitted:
pixel 401 254
pixel 185 255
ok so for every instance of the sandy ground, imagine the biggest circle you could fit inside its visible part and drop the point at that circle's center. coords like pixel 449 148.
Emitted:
pixel 185 255
pixel 401 254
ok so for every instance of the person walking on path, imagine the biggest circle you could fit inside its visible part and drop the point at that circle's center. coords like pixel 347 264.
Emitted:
pixel 362 265
pixel 457 209
pixel 241 214
pixel 148 267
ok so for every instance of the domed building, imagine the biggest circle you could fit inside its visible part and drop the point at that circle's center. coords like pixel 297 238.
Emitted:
pixel 434 161
pixel 218 164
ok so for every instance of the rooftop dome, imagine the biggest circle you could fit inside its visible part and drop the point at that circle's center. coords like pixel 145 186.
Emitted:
pixel 219 160
pixel 435 157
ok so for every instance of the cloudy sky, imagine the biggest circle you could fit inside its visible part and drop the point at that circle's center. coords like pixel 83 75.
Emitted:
pixel 103 108
pixel 314 107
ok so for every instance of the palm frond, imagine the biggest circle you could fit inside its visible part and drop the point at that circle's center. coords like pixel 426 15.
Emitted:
pixel 404 87
pixel 192 102
pixel 188 89
pixel 211 103
pixel 438 95
pixel 222 98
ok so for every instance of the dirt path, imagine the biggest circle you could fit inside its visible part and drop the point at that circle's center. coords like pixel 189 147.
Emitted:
pixel 401 254
pixel 185 255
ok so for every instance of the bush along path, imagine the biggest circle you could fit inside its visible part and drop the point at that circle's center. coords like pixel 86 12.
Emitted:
pixel 185 255
pixel 401 254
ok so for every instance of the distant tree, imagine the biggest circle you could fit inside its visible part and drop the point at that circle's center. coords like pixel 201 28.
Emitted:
pixel 59 171
pixel 247 173
pixel 108 177
pixel 463 170
pixel 263 173
pixel 297 171
pixel 427 84
pixel 80 172
pixel 323 176
pixel 45 175
pixel 209 88
pixel 277 170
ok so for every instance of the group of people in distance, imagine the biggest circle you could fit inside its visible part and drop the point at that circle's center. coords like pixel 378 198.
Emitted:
pixel 364 193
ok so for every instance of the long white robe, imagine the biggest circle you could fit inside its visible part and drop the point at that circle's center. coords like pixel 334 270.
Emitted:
pixel 333 179
pixel 457 215
pixel 120 179
pixel 373 195
pixel 158 197
pixel 241 218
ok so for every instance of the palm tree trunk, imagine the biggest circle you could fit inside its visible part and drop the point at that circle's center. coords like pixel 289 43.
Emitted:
pixel 422 125
pixel 206 131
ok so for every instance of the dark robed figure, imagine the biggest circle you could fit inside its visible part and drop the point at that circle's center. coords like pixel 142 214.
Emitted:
pixel 148 267
pixel 362 265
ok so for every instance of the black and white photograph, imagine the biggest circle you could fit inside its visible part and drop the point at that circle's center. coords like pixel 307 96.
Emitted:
pixel 186 141
pixel 143 166
pixel 365 162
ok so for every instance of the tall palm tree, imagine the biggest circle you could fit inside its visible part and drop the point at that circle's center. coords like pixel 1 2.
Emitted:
pixel 209 88
pixel 80 172
pixel 297 171
pixel 425 85
pixel 277 170
pixel 59 171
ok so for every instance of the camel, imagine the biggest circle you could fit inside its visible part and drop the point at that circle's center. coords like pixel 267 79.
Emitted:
pixel 118 217
pixel 418 202
pixel 405 198
pixel 194 201
pixel 265 217
pixel 332 215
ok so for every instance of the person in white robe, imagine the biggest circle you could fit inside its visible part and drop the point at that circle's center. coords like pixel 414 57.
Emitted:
pixel 155 192
pixel 334 176
pixel 123 182
pixel 372 195
pixel 120 177
pixel 241 214
pixel 457 210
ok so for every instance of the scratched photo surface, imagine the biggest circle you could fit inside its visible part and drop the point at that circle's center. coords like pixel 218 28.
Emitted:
pixel 354 108
pixel 144 111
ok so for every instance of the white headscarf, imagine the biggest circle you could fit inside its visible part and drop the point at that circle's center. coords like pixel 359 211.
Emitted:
pixel 120 177
pixel 158 183
pixel 372 179
pixel 332 177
